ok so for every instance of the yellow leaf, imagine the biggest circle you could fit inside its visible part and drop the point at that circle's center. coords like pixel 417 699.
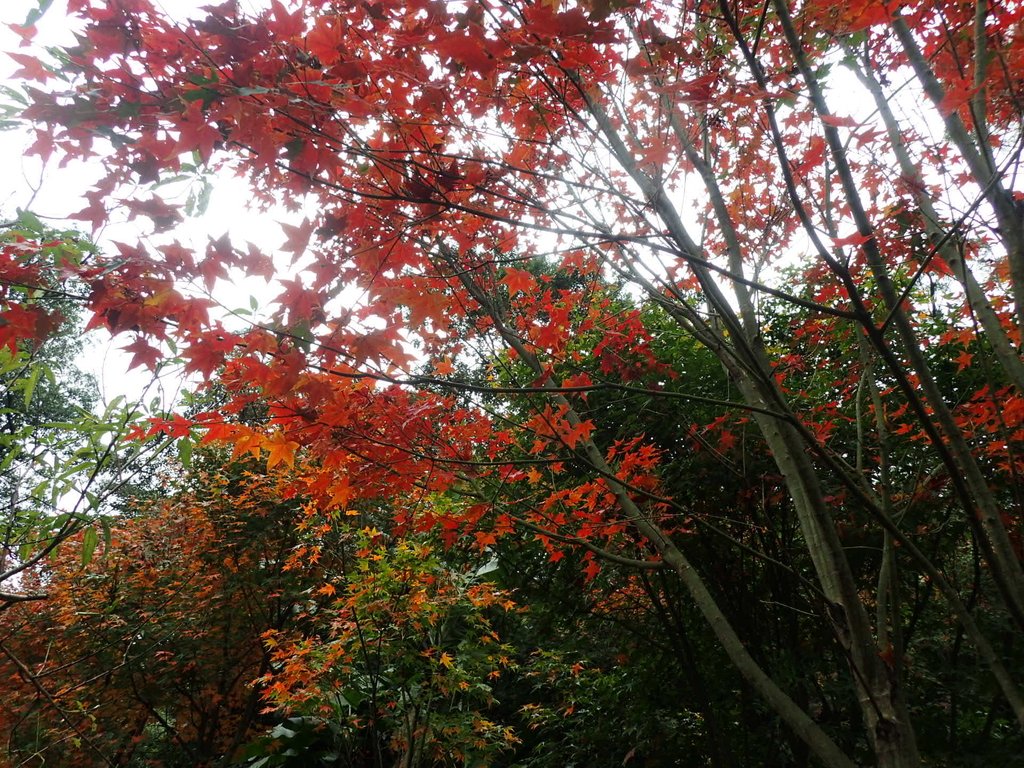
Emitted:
pixel 281 449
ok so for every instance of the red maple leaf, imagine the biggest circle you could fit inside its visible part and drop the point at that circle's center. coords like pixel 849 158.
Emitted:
pixel 297 239
pixel 518 281
pixel 143 353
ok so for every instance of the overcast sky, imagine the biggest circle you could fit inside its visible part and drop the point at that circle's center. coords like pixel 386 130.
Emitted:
pixel 53 193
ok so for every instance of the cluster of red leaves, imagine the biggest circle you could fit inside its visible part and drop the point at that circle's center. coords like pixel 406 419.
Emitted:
pixel 23 273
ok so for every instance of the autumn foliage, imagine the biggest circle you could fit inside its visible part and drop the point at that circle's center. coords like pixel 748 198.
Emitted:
pixel 159 633
pixel 634 287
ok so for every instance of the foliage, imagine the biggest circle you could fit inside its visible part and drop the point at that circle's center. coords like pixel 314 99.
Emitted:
pixel 405 673
pixel 645 304
pixel 50 443
pixel 148 651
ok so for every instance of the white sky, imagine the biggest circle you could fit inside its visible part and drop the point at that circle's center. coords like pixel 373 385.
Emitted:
pixel 52 193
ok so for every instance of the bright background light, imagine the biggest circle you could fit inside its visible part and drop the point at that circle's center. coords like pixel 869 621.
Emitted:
pixel 55 191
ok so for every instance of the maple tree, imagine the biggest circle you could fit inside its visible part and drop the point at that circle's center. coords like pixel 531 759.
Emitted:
pixel 204 621
pixel 475 174
pixel 148 651
pixel 62 466
pixel 405 673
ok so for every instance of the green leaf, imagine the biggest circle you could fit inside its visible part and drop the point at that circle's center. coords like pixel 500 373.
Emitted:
pixel 89 541
pixel 197 79
pixel 31 222
pixel 185 451
pixel 128 109
pixel 35 14
pixel 11 452
pixel 118 140
pixel 14 95
pixel 30 384
pixel 203 200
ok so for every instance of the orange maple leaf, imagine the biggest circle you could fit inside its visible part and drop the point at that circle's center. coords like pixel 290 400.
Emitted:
pixel 518 281
pixel 281 449
pixel 484 539
pixel 572 435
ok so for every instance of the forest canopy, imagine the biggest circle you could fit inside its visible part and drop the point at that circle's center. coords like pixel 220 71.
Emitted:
pixel 641 384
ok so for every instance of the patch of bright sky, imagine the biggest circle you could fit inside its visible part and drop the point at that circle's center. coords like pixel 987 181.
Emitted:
pixel 53 192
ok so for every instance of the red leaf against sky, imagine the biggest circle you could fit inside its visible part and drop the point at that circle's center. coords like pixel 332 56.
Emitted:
pixel 297 237
pixel 855 239
pixel 143 353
